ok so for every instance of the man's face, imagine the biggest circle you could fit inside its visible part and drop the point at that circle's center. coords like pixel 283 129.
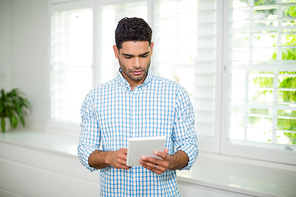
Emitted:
pixel 134 59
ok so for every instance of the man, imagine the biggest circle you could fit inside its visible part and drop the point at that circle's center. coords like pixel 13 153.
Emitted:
pixel 137 104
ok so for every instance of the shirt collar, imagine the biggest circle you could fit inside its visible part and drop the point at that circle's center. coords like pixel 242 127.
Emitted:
pixel 124 82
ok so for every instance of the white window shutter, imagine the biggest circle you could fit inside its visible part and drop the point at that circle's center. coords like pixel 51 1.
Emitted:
pixel 185 37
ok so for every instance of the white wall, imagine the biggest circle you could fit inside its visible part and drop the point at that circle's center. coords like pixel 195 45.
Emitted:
pixel 38 173
pixel 24 52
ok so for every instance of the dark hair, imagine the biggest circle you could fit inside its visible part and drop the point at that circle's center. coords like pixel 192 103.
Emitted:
pixel 132 29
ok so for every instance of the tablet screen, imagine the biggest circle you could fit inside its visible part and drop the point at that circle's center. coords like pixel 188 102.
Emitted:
pixel 145 146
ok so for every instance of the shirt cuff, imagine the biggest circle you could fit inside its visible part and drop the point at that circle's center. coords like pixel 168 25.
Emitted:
pixel 192 153
pixel 83 155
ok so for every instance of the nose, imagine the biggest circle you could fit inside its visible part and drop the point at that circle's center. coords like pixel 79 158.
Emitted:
pixel 137 62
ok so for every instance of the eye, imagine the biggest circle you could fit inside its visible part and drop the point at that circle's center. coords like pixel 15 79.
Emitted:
pixel 127 57
pixel 144 56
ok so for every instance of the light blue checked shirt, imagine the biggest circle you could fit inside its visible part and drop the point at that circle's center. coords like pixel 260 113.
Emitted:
pixel 112 113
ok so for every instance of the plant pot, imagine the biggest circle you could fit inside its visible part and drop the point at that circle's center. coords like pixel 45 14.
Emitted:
pixel 7 124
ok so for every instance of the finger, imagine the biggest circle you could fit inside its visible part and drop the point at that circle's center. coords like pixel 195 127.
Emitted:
pixel 124 151
pixel 153 167
pixel 125 167
pixel 149 166
pixel 163 155
pixel 164 163
pixel 122 164
pixel 150 162
pixel 122 156
pixel 150 159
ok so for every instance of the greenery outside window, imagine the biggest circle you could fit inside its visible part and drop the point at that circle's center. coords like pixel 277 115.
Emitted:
pixel 262 59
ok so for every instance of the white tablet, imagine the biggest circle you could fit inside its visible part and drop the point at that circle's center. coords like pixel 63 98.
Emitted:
pixel 144 146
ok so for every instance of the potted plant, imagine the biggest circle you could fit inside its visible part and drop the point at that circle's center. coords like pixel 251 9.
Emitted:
pixel 13 106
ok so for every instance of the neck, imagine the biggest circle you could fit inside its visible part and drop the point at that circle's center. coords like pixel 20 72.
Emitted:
pixel 134 83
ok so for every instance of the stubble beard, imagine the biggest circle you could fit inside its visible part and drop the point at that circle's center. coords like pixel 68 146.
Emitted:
pixel 127 72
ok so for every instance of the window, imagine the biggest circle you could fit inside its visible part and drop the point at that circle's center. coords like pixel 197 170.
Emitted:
pixel 236 58
pixel 262 59
pixel 71 61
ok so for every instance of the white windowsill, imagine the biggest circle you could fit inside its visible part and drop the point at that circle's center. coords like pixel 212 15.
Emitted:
pixel 221 172
pixel 241 176
pixel 58 143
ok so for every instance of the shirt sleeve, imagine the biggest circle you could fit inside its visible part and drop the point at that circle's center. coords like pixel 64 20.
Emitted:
pixel 184 134
pixel 89 139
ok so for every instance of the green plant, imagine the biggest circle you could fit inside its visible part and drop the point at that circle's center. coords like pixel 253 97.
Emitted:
pixel 13 105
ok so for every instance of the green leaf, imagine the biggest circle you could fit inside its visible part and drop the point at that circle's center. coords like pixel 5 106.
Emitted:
pixel 1 108
pixel 22 121
pixel 3 125
pixel 292 11
pixel 13 120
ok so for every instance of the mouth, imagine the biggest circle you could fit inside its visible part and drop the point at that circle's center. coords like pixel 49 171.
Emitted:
pixel 137 72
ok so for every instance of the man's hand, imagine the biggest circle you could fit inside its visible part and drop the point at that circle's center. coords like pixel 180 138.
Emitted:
pixel 117 159
pixel 156 165
pixel 167 162
pixel 102 159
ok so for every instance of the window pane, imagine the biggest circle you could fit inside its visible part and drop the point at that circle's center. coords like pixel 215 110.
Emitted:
pixel 287 80
pixel 286 125
pixel 258 133
pixel 71 62
pixel 289 11
pixel 264 40
pixel 240 40
pixel 289 40
pixel 286 137
pixel 288 1
pixel 260 81
pixel 265 14
pixel 264 2
pixel 289 54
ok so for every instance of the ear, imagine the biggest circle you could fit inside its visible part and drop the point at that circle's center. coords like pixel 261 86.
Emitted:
pixel 115 49
pixel 151 47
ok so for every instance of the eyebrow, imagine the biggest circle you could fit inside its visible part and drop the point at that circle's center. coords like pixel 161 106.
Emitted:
pixel 141 55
